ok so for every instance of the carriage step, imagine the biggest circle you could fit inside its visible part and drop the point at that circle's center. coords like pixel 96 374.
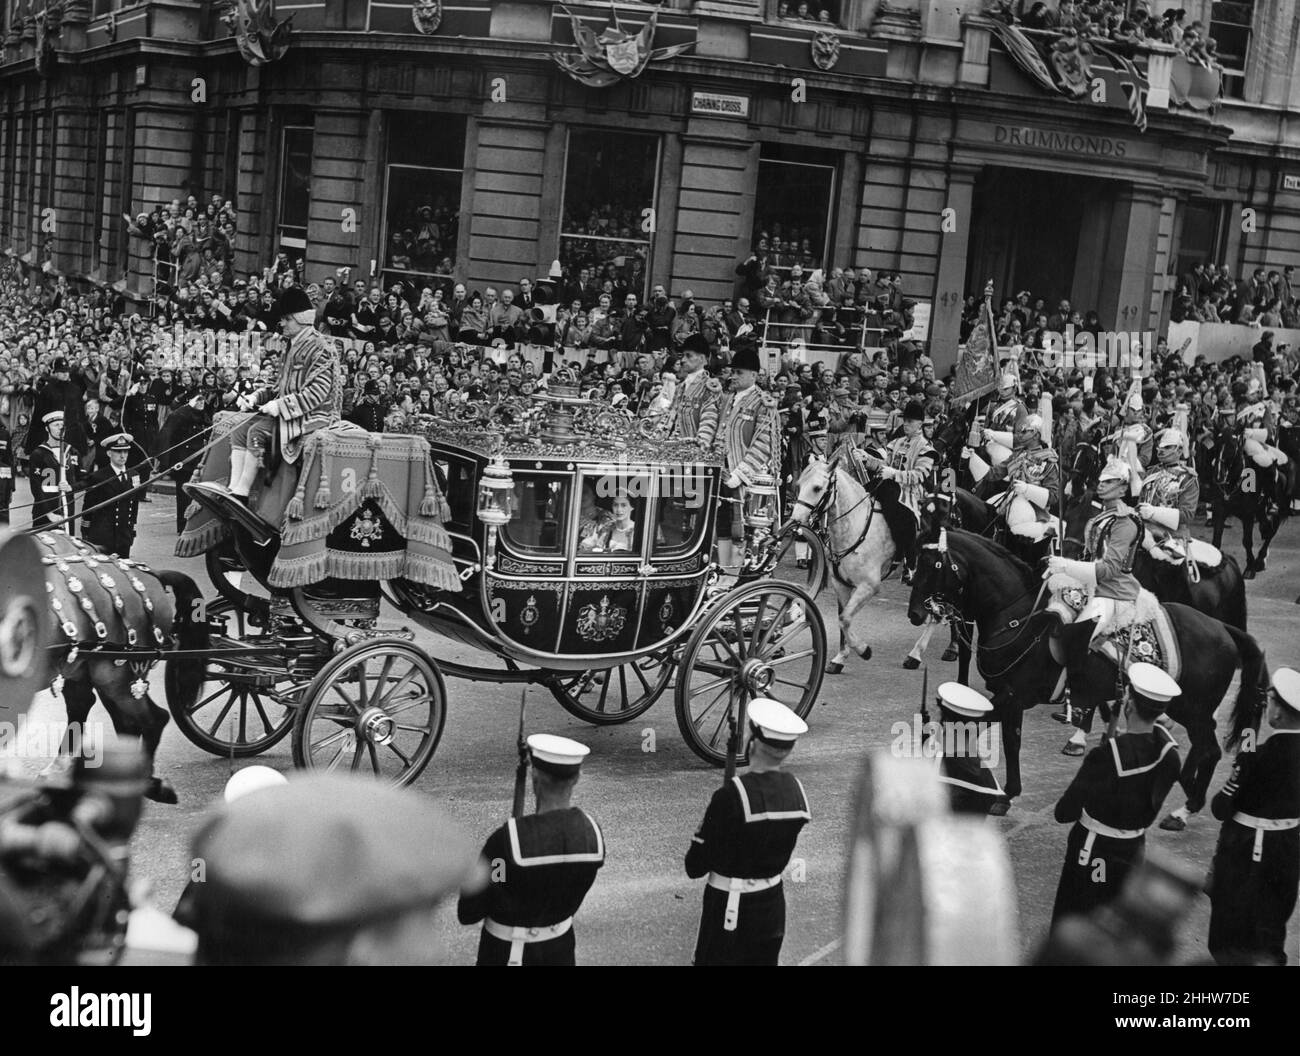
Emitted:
pixel 353 637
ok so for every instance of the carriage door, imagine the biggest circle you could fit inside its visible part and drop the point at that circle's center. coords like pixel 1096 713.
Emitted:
pixel 608 579
pixel 682 514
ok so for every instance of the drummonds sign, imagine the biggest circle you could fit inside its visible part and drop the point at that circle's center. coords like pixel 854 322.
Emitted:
pixel 639 480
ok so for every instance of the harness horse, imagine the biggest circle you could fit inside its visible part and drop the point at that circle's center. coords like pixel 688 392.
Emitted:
pixel 113 619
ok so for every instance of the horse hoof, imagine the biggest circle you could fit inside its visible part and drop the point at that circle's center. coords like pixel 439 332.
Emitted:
pixel 999 808
pixel 834 669
pixel 1249 573
pixel 160 791
pixel 949 655
pixel 1073 748
pixel 865 653
pixel 1062 717
pixel 911 663
pixel 1172 823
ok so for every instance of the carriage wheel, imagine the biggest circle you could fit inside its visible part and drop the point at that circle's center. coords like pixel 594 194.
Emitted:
pixel 221 564
pixel 235 717
pixel 812 579
pixel 616 694
pixel 376 708
pixel 764 639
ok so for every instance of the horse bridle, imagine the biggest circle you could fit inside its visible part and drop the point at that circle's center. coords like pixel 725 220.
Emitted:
pixel 820 508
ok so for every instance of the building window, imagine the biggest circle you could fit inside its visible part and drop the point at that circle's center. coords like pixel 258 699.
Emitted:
pixel 295 191
pixel 796 11
pixel 1230 26
pixel 1201 235
pixel 607 223
pixel 792 205
pixel 423 177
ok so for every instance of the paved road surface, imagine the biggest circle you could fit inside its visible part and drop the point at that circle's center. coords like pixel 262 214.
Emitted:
pixel 642 908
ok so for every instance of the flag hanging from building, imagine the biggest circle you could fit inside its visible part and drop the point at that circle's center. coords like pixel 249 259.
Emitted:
pixel 1135 90
pixel 977 362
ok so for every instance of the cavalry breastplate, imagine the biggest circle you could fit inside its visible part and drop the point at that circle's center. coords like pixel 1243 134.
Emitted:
pixel 1161 488
pixel 1005 416
pixel 1097 536
pixel 1029 467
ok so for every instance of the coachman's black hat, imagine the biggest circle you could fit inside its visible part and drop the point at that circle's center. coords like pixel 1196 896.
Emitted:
pixel 914 412
pixel 744 355
pixel 293 301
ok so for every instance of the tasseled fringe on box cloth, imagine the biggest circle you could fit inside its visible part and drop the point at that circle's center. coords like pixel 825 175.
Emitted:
pixel 341 470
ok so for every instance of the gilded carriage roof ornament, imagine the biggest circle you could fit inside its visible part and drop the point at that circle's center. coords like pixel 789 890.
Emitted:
pixel 259 37
pixel 615 55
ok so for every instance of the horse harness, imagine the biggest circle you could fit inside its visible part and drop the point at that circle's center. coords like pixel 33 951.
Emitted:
pixel 820 522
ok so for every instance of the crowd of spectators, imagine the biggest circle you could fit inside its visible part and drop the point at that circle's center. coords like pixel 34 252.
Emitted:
pixel 1121 25
pixel 425 240
pixel 1208 294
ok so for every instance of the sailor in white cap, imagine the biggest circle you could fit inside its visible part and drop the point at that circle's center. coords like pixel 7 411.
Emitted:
pixel 1004 420
pixel 745 842
pixel 1116 795
pixel 1256 869
pixel 542 866
pixel 1168 499
pixel 964 732
pixel 54 472
pixel 113 500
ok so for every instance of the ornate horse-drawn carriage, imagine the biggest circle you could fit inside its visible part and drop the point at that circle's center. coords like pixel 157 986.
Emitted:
pixel 564 539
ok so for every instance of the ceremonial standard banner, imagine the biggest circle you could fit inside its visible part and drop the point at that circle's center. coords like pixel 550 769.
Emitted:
pixel 977 360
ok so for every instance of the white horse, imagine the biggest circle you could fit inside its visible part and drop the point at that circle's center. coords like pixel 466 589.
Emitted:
pixel 859 542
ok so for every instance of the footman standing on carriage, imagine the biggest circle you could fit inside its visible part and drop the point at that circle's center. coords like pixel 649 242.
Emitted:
pixel 964 732
pixel 1115 797
pixel 693 413
pixel 1256 869
pixel 906 472
pixel 542 866
pixel 744 844
pixel 1168 499
pixel 54 470
pixel 116 491
pixel 750 436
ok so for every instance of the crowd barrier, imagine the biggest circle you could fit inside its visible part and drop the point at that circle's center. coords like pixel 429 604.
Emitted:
pixel 1220 341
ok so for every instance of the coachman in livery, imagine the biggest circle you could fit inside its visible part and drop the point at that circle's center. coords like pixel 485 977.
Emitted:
pixel 750 438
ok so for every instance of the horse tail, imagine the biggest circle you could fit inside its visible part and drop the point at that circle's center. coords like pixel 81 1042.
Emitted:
pixel 1249 705
pixel 184 676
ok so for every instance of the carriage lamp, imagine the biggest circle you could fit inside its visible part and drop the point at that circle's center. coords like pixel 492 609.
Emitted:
pixel 496 499
pixel 760 503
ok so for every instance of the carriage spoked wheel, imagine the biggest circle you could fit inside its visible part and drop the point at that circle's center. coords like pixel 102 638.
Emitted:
pixel 763 639
pixel 242 710
pixel 377 708
pixel 615 694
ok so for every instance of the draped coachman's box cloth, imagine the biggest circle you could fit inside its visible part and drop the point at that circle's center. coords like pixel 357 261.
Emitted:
pixel 364 506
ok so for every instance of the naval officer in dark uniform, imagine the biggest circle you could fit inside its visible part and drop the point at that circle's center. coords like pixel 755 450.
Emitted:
pixel 1256 870
pixel 1116 795
pixel 116 492
pixel 964 730
pixel 744 844
pixel 541 867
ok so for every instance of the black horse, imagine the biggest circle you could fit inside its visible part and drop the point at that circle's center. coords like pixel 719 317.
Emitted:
pixel 1022 649
pixel 1256 494
pixel 1220 592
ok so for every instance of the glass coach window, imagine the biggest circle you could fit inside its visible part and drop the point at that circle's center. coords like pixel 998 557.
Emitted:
pixel 295 191
pixel 792 205
pixel 609 199
pixel 1230 26
pixel 426 162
